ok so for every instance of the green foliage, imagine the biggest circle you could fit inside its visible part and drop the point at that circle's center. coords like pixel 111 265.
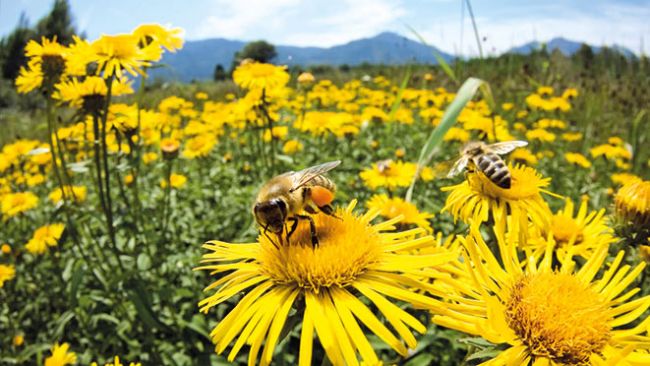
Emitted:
pixel 219 73
pixel 260 51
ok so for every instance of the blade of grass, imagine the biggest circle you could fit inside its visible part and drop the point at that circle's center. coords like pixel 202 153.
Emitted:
pixel 441 61
pixel 398 98
pixel 464 95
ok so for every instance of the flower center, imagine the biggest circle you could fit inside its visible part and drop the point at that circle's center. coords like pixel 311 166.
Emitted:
pixel 558 317
pixel 347 246
pixel 565 229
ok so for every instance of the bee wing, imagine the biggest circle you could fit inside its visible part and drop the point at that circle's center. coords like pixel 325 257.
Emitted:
pixel 302 177
pixel 458 166
pixel 501 148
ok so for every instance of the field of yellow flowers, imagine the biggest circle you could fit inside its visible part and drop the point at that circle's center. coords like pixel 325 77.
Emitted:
pixel 104 222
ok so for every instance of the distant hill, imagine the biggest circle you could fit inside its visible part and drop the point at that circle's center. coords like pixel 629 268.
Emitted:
pixel 197 59
pixel 565 46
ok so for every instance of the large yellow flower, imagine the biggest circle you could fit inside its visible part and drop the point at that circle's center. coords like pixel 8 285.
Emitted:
pixel 115 54
pixel 394 207
pixel 44 237
pixel 61 356
pixel 353 260
pixel 7 272
pixel 90 94
pixel 476 198
pixel 579 235
pixel 542 315
pixel 253 75
pixel 171 39
pixel 16 203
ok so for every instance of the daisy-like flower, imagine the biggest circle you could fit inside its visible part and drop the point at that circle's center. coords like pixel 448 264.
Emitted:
pixel 353 261
pixel 44 237
pixel 393 174
pixel 254 75
pixel 170 39
pixel 540 315
pixel 169 147
pixel 633 202
pixel 199 146
pixel 580 235
pixel 13 204
pixel 73 193
pixel 61 356
pixel 176 181
pixel 90 94
pixel 577 159
pixel 292 146
pixel 622 179
pixel 117 362
pixel 476 198
pixel 29 78
pixel 119 53
pixel 393 207
pixel 7 273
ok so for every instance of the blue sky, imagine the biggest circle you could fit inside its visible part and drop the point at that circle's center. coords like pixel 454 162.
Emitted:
pixel 503 23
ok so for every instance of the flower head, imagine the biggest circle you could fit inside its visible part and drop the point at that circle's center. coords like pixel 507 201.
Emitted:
pixel 16 203
pixel 72 193
pixel 148 34
pixel 392 174
pixel 577 159
pixel 61 356
pixel 253 75
pixel 375 266
pixel 544 315
pixel 44 237
pixel 477 197
pixel 633 202
pixel 115 54
pixel 391 208
pixel 7 272
pixel 117 362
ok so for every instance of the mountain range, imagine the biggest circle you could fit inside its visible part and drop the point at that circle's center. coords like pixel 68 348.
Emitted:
pixel 197 59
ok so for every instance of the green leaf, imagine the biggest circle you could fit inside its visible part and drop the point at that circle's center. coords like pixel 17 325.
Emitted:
pixel 441 61
pixel 62 321
pixel 464 95
pixel 486 353
pixel 143 262
pixel 138 296
pixel 77 276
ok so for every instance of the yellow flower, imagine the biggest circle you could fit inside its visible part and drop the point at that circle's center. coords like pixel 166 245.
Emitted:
pixel 457 134
pixel 633 202
pixel 610 152
pixel 148 34
pixel 428 77
pixel 622 179
pixel 29 78
pixel 541 135
pixel 544 315
pixel 72 193
pixel 44 237
pixel 524 155
pixel 572 136
pixel 580 235
pixel 545 90
pixel 199 146
pixel 570 93
pixel 392 174
pixel 61 356
pixel 306 78
pixel 177 181
pixel 391 208
pixel 115 54
pixel 149 157
pixel 577 159
pixel 201 96
pixel 18 339
pixel 550 123
pixel 292 146
pixel 5 248
pixel 644 253
pixel 90 93
pixel 128 179
pixel 116 362
pixel 16 203
pixel 355 264
pixel 279 133
pixel 477 197
pixel 169 147
pixel 253 75
pixel 7 272
pixel 507 106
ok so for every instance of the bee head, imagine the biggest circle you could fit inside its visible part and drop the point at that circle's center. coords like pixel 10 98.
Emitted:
pixel 271 215
pixel 473 148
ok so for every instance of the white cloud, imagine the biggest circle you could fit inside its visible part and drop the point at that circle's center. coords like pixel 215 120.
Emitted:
pixel 237 19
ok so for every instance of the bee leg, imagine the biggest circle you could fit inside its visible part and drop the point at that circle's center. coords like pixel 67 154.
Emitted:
pixel 328 210
pixel 312 229
pixel 294 225
pixel 265 232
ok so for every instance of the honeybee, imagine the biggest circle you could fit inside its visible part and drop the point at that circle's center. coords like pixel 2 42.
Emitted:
pixel 384 165
pixel 487 160
pixel 287 197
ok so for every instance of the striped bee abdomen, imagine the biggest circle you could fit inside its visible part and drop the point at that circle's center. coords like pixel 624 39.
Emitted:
pixel 494 168
pixel 324 182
